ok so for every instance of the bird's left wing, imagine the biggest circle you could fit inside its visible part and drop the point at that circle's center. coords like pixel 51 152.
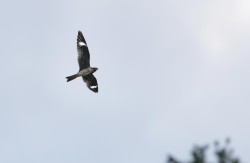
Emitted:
pixel 91 82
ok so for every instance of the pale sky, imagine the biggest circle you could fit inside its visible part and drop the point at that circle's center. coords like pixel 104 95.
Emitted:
pixel 171 74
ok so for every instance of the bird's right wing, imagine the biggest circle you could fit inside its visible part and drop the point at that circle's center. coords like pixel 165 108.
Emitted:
pixel 83 52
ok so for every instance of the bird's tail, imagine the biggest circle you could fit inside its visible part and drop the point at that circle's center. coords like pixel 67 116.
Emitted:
pixel 69 78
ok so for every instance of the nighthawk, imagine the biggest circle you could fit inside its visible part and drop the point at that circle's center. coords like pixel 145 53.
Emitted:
pixel 85 71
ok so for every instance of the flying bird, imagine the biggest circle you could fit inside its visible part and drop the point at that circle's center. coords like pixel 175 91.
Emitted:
pixel 85 71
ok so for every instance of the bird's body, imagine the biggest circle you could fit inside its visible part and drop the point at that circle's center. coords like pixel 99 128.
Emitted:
pixel 82 73
pixel 86 71
pixel 84 66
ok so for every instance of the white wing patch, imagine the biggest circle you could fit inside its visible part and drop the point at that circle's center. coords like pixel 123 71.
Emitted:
pixel 82 44
pixel 93 86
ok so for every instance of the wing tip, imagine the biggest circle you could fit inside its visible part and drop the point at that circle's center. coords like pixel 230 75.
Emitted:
pixel 80 37
pixel 95 90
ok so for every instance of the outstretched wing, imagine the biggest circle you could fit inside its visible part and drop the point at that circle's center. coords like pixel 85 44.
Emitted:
pixel 83 52
pixel 91 82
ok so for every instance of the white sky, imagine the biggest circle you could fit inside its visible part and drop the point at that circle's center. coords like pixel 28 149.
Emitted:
pixel 171 74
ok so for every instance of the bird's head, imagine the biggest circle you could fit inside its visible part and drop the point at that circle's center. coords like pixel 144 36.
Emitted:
pixel 94 69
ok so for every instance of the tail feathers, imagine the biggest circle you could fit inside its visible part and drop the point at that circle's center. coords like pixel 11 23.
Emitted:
pixel 69 78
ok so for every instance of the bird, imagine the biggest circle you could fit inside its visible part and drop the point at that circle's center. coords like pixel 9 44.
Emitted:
pixel 85 71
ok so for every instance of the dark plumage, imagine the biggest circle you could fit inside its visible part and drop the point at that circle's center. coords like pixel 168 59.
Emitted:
pixel 84 64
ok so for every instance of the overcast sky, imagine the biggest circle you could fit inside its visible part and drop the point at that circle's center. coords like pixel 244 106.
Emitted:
pixel 171 74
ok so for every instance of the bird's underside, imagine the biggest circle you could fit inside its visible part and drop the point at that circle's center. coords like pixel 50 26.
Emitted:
pixel 84 65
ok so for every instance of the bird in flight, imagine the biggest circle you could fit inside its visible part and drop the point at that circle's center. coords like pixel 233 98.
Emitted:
pixel 85 71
